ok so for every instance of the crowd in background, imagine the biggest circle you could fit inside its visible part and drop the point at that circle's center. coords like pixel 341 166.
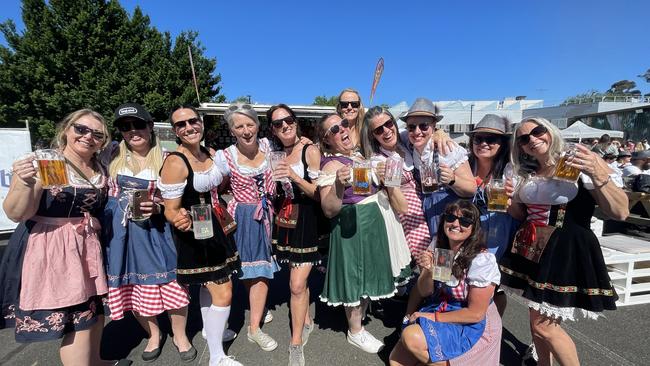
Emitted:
pixel 136 226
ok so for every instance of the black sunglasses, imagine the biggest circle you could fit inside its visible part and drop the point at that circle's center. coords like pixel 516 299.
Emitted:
pixel 464 221
pixel 344 104
pixel 488 139
pixel 334 129
pixel 380 130
pixel 422 126
pixel 278 122
pixel 82 130
pixel 537 132
pixel 133 124
pixel 192 121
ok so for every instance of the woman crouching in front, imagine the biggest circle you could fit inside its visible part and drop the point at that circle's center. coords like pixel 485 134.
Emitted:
pixel 459 324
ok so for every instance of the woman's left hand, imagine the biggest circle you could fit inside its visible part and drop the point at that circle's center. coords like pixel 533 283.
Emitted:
pixel 588 162
pixel 418 314
pixel 446 174
pixel 306 141
pixel 380 170
pixel 442 142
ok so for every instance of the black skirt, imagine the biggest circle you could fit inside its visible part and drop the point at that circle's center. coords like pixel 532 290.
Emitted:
pixel 571 271
pixel 300 245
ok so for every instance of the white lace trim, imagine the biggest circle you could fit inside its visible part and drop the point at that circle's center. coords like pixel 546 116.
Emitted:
pixel 552 311
pixel 357 303
pixel 171 191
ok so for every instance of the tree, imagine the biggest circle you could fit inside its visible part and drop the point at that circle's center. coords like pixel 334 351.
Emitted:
pixel 622 87
pixel 90 53
pixel 323 100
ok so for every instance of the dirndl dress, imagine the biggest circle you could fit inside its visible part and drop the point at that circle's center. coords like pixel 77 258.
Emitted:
pixel 413 221
pixel 252 209
pixel 433 204
pixel 568 276
pixel 52 275
pixel 446 341
pixel 200 261
pixel 359 264
pixel 140 255
pixel 298 221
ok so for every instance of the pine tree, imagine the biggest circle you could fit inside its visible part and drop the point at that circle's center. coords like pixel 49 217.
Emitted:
pixel 91 53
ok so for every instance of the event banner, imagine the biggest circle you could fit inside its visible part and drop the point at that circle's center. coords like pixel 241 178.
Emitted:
pixel 15 143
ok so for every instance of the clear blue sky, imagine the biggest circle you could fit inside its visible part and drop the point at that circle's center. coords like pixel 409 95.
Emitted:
pixel 292 51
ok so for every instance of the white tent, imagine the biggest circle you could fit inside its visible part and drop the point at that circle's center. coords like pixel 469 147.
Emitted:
pixel 580 130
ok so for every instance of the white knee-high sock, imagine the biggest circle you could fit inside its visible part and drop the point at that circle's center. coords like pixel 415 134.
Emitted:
pixel 215 323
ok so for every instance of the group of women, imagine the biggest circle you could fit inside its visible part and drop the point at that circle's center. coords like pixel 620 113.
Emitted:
pixel 122 230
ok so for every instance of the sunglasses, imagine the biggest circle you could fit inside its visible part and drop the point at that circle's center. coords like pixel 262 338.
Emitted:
pixel 135 124
pixel 289 120
pixel 422 126
pixel 537 132
pixel 380 130
pixel 334 129
pixel 194 121
pixel 344 104
pixel 488 139
pixel 236 107
pixel 462 220
pixel 82 130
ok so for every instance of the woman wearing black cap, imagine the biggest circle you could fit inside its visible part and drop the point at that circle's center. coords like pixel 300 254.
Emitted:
pixel 140 252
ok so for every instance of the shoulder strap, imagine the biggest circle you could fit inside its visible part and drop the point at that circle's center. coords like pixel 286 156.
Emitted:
pixel 305 173
pixel 81 174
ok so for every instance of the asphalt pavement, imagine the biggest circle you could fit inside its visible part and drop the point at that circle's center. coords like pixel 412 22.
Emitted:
pixel 620 338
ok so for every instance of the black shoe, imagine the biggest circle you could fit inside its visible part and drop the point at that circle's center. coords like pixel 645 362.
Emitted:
pixel 186 356
pixel 151 356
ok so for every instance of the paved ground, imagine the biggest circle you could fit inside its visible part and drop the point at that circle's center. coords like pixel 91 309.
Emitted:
pixel 619 339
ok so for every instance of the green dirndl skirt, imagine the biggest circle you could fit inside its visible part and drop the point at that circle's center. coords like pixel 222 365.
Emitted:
pixel 359 258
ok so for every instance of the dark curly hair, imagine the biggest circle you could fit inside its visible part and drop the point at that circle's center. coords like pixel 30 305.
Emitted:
pixel 472 245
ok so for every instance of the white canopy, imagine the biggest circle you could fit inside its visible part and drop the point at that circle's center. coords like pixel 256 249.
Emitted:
pixel 580 130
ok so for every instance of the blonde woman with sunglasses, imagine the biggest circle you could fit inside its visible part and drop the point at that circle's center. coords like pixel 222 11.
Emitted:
pixel 556 264
pixel 52 272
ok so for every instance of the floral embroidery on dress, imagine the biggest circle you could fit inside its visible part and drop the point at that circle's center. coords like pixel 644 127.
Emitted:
pixel 29 325
pixel 55 320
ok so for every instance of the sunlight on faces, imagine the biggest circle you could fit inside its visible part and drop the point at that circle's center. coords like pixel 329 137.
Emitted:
pixel 137 138
pixel 85 145
pixel 339 142
pixel 286 133
pixel 455 231
pixel 538 146
pixel 350 113
pixel 484 149
pixel 189 134
pixel 418 137
pixel 388 139
pixel 244 128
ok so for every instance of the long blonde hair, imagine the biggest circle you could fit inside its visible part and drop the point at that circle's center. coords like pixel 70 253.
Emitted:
pixel 358 124
pixel 525 164
pixel 153 161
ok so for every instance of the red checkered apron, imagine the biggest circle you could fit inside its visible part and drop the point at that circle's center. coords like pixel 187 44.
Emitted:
pixel 414 224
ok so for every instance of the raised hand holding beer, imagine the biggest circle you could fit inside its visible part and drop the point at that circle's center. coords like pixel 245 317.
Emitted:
pixel 344 175
pixel 446 174
pixel 587 161
pixel 283 172
pixel 24 169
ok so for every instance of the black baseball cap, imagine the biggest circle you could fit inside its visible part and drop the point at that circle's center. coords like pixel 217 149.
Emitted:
pixel 131 110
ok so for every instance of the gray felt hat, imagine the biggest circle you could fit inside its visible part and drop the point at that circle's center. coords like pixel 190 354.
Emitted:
pixel 422 107
pixel 491 123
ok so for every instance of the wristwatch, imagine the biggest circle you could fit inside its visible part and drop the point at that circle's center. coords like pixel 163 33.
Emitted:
pixel 451 183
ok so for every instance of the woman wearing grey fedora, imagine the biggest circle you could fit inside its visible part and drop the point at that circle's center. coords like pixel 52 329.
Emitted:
pixel 489 158
pixel 453 171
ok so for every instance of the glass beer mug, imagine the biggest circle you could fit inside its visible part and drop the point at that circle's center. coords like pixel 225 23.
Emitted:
pixel 563 171
pixel 361 178
pixel 51 168
pixel 497 196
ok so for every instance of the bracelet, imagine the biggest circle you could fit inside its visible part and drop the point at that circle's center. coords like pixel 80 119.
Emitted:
pixel 609 178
